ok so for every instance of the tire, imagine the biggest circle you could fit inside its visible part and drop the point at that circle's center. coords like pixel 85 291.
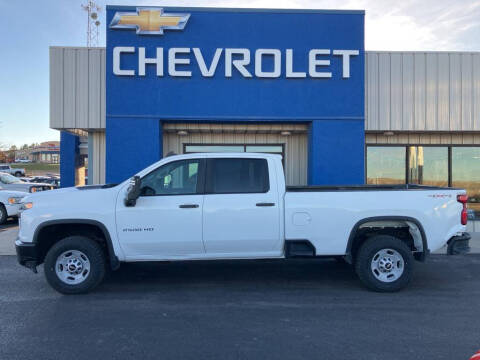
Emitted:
pixel 83 256
pixel 384 263
pixel 3 214
pixel 18 174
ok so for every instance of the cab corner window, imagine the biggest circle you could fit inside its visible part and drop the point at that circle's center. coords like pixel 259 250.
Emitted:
pixel 175 178
pixel 236 176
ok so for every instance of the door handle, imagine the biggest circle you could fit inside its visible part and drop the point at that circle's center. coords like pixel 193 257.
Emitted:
pixel 188 206
pixel 263 204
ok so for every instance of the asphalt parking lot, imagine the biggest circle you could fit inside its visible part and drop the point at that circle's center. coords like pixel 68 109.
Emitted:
pixel 297 309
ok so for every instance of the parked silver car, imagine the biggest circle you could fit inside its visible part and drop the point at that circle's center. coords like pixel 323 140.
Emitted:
pixel 10 182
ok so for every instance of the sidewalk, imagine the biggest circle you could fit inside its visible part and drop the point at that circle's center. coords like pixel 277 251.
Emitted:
pixel 8 236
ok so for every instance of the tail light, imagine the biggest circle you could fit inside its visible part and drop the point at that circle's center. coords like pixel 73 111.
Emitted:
pixel 463 200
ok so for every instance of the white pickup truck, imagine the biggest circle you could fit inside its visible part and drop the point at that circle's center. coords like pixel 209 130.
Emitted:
pixel 12 171
pixel 235 206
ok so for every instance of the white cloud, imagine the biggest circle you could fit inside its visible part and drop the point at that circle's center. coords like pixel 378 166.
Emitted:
pixel 389 24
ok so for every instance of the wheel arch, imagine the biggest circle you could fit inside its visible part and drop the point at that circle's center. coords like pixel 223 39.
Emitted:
pixel 379 219
pixel 113 259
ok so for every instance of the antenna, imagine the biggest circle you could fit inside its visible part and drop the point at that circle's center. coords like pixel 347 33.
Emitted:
pixel 93 23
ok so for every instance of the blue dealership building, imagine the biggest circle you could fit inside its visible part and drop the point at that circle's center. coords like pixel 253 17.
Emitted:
pixel 294 82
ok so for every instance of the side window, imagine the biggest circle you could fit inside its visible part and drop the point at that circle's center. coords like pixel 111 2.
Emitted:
pixel 227 176
pixel 175 178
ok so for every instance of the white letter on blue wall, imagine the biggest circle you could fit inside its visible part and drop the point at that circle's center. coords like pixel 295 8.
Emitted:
pixel 345 54
pixel 117 51
pixel 142 61
pixel 173 61
pixel 239 64
pixel 207 72
pixel 313 62
pixel 289 67
pixel 277 63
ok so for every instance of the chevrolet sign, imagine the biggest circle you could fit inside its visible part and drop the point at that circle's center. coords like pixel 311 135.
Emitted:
pixel 235 59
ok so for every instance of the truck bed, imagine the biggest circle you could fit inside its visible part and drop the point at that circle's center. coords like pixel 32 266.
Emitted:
pixel 394 187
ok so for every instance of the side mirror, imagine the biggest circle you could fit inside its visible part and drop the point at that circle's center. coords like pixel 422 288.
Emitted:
pixel 133 191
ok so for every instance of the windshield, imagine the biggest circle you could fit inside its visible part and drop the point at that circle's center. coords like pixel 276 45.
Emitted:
pixel 8 179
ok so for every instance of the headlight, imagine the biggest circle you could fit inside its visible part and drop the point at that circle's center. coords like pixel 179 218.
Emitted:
pixel 26 206
pixel 14 200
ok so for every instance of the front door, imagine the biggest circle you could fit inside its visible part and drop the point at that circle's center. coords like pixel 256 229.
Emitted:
pixel 166 221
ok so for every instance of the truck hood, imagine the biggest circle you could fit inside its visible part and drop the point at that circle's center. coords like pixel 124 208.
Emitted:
pixel 67 194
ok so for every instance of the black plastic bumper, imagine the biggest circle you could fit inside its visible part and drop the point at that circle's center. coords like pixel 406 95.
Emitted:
pixel 459 245
pixel 27 254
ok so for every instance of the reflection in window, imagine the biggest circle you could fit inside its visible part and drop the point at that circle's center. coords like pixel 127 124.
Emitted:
pixel 466 173
pixel 428 165
pixel 386 165
pixel 175 178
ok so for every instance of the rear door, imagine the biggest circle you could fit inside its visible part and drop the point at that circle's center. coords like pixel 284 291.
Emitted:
pixel 241 210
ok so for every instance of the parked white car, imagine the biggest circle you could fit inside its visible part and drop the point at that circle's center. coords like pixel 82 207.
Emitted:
pixel 235 206
pixel 10 182
pixel 10 202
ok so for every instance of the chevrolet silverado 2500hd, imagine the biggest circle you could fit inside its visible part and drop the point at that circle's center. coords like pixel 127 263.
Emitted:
pixel 235 206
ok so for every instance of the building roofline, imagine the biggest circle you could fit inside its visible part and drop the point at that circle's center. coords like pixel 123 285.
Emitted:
pixel 225 9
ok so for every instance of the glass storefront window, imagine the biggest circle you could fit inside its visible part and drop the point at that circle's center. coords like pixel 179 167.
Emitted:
pixel 386 165
pixel 428 165
pixel 466 174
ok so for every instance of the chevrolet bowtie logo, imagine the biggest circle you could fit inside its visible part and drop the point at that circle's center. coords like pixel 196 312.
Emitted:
pixel 149 21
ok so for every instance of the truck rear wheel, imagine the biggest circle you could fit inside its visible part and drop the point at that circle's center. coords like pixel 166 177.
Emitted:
pixel 384 263
pixel 75 265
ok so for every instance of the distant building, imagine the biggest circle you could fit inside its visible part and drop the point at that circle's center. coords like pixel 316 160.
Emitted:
pixel 47 152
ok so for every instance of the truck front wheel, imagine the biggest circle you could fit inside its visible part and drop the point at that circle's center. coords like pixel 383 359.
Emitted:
pixel 384 263
pixel 75 265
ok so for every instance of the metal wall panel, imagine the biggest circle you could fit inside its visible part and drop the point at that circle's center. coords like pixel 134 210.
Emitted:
pixel 422 91
pixel 476 91
pixel 77 88
pixel 413 138
pixel 408 72
pixel 56 88
pixel 97 164
pixel 295 145
pixel 419 92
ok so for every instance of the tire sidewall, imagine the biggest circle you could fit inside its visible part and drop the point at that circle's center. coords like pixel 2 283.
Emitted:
pixel 3 214
pixel 365 256
pixel 94 253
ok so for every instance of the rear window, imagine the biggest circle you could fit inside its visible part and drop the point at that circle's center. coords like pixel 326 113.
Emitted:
pixel 228 175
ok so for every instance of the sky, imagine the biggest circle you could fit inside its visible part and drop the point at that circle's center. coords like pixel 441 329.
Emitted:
pixel 31 28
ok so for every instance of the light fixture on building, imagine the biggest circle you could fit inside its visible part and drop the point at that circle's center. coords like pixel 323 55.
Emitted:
pixel 182 133
pixel 285 133
pixel 388 133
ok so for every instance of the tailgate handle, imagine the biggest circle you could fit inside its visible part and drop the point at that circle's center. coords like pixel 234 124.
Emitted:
pixel 265 204
pixel 188 206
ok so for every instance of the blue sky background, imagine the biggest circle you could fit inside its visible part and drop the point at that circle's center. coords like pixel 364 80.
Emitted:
pixel 31 26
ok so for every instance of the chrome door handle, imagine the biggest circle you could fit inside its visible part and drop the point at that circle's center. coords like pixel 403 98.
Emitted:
pixel 188 206
pixel 265 204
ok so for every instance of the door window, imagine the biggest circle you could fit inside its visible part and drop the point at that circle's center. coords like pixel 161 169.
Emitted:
pixel 175 178
pixel 234 176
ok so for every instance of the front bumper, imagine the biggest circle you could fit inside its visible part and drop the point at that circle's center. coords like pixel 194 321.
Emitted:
pixel 459 245
pixel 27 254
